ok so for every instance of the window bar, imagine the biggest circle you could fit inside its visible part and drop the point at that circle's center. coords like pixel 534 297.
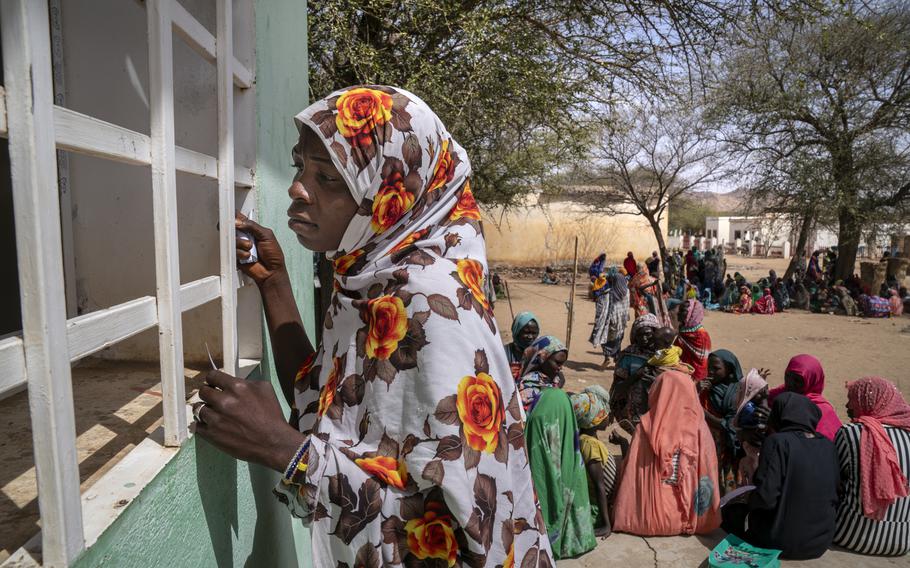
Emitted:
pixel 30 105
pixel 224 48
pixel 164 199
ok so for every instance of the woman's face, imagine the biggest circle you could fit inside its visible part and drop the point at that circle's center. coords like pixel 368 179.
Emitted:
pixel 553 365
pixel 682 314
pixel 321 204
pixel 717 369
pixel 529 332
pixel 794 382
pixel 645 337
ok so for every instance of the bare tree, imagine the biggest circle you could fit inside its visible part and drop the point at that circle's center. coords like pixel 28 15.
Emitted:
pixel 651 156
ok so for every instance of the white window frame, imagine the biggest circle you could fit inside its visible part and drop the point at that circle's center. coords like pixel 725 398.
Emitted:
pixel 36 129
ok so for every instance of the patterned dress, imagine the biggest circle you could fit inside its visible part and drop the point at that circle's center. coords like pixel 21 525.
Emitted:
pixel 417 446
pixel 855 531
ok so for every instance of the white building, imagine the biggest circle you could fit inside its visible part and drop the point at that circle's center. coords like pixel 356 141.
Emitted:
pixel 775 235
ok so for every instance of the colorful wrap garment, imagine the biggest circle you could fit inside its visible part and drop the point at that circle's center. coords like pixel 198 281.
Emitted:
pixel 641 287
pixel 694 340
pixel 532 381
pixel 591 406
pixel 415 424
pixel 559 474
pixel 875 401
pixel 668 485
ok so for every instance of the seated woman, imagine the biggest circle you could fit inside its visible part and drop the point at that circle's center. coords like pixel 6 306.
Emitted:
pixel 551 436
pixel 750 423
pixel 765 305
pixel 718 394
pixel 667 357
pixel 693 338
pixel 629 361
pixel 781 295
pixel 668 483
pixel 744 305
pixel 525 330
pixel 591 408
pixel 549 277
pixel 874 454
pixel 541 368
pixel 794 503
pixel 804 375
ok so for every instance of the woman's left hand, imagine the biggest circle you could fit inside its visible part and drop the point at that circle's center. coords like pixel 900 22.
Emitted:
pixel 244 419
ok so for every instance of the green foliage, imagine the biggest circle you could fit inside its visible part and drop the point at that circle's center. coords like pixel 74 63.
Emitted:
pixel 823 102
pixel 516 82
pixel 688 215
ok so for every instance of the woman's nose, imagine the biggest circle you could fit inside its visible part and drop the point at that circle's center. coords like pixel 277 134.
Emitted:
pixel 297 191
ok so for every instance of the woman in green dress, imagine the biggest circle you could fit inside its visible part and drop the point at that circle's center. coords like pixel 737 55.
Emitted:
pixel 558 472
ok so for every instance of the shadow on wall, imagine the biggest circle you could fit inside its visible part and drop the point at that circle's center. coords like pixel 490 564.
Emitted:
pixel 216 476
pixel 273 539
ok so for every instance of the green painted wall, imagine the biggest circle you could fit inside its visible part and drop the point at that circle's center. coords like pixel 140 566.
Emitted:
pixel 204 508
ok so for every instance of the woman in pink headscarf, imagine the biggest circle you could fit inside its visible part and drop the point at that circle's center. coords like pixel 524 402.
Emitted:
pixel 805 376
pixel 874 455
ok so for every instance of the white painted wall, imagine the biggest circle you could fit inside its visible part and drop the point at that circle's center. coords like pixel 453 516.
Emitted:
pixel 106 76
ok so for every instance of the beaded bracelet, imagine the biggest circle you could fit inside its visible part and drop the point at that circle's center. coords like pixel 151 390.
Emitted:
pixel 298 464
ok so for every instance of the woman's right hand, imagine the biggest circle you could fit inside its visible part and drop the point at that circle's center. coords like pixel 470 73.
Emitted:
pixel 270 256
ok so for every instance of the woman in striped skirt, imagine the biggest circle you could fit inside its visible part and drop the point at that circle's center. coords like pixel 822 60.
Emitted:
pixel 874 455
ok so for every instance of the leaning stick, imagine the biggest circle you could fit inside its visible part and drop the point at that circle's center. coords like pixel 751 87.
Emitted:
pixel 572 299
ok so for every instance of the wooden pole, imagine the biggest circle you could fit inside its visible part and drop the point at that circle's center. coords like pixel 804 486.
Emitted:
pixel 509 296
pixel 572 298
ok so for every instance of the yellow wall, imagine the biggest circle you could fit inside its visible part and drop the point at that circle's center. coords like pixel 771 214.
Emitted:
pixel 539 235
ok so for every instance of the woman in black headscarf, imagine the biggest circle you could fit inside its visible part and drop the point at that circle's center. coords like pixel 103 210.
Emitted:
pixel 794 504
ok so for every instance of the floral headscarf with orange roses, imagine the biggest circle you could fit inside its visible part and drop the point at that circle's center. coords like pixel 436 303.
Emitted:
pixel 417 447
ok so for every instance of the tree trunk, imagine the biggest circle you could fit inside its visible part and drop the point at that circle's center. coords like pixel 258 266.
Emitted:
pixel 849 232
pixel 798 260
pixel 661 243
pixel 848 237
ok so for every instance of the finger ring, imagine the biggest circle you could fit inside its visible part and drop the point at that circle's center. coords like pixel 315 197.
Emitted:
pixel 197 408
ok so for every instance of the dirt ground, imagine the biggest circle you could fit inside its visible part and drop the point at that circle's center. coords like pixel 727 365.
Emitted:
pixel 117 406
pixel 848 348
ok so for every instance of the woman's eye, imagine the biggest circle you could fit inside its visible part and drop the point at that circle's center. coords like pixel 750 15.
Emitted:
pixel 323 177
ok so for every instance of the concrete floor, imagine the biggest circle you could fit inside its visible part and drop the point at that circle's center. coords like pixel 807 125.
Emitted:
pixel 628 551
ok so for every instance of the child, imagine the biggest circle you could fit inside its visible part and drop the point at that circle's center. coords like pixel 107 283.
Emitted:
pixel 591 408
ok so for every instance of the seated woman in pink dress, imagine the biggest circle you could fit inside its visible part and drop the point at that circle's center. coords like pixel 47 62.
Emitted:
pixel 668 485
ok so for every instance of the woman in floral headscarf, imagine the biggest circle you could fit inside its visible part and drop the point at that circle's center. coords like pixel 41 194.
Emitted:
pixel 874 455
pixel 409 440
pixel 693 338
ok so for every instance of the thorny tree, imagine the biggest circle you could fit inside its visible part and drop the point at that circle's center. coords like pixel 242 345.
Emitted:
pixel 837 83
pixel 515 81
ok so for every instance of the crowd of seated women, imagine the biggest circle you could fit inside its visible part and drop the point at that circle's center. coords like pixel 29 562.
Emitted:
pixel 790 475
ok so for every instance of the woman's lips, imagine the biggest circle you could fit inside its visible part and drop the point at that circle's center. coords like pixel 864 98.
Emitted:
pixel 296 224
